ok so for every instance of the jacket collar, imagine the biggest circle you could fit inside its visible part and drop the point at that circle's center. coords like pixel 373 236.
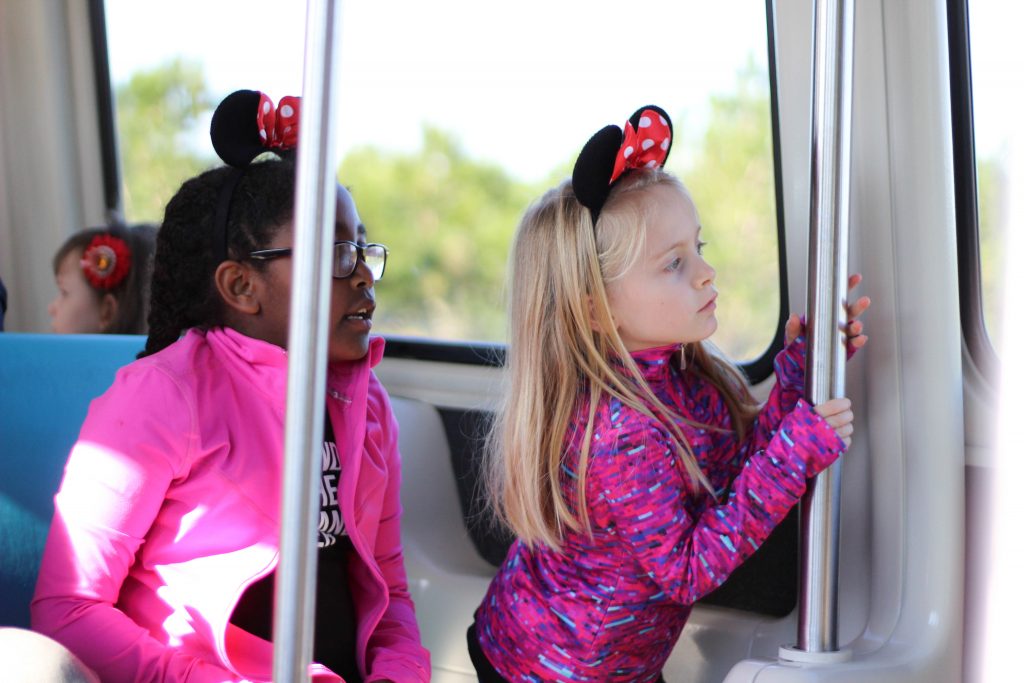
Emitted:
pixel 267 364
pixel 259 352
pixel 656 363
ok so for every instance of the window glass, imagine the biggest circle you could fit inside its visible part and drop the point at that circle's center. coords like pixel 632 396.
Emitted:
pixel 996 64
pixel 454 115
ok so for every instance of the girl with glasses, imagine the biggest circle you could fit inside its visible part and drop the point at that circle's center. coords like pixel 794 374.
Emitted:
pixel 161 560
pixel 628 457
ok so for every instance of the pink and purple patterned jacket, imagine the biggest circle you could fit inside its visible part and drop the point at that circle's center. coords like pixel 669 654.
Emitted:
pixel 611 607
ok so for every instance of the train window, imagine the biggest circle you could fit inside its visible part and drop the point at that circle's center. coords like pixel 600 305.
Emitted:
pixel 983 62
pixel 170 64
pixel 994 64
pixel 454 117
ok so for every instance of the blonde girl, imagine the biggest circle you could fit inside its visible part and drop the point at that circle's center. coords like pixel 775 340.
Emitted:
pixel 629 457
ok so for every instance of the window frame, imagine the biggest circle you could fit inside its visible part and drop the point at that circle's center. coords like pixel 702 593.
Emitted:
pixel 105 110
pixel 965 192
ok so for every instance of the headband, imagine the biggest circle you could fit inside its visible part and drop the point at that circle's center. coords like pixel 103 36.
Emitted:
pixel 246 124
pixel 106 262
pixel 612 152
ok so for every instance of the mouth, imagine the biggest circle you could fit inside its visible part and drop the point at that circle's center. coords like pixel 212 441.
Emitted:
pixel 363 315
pixel 709 306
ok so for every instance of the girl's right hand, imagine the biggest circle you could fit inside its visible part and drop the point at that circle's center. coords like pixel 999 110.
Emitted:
pixel 838 412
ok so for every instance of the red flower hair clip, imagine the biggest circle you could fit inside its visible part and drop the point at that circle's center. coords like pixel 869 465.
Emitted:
pixel 106 262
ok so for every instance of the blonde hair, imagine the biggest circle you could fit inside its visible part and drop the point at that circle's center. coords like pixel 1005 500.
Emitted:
pixel 564 348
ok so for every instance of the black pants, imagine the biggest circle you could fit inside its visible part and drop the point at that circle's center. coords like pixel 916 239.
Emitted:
pixel 485 672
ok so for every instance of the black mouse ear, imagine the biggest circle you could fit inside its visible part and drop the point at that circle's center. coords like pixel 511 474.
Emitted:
pixel 591 176
pixel 665 120
pixel 234 129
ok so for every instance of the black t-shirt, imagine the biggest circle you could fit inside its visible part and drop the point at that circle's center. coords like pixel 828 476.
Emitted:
pixel 334 634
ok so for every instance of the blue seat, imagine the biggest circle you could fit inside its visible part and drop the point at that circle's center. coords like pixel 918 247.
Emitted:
pixel 46 384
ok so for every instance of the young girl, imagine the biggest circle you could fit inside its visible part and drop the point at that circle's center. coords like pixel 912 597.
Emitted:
pixel 102 279
pixel 629 458
pixel 161 559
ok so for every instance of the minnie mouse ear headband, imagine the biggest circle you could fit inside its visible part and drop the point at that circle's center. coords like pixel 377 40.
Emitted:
pixel 612 152
pixel 246 124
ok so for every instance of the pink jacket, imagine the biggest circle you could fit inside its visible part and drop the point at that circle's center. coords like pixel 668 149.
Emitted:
pixel 170 506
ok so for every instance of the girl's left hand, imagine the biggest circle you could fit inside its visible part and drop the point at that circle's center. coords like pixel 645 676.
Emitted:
pixel 855 337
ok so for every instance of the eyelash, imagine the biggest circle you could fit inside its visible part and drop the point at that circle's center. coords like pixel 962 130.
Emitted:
pixel 676 262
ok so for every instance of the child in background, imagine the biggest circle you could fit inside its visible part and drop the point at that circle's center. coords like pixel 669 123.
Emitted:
pixel 629 457
pixel 161 558
pixel 3 304
pixel 102 279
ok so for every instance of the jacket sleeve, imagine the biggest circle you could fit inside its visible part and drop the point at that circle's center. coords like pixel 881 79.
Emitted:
pixel 790 368
pixel 790 364
pixel 689 549
pixel 394 651
pixel 788 389
pixel 135 441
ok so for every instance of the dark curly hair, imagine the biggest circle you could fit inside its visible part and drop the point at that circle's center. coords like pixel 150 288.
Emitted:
pixel 183 293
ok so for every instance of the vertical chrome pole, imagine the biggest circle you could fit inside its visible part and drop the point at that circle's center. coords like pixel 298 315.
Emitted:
pixel 315 198
pixel 827 290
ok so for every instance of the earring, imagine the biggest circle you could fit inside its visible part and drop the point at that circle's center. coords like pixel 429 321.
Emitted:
pixel 682 358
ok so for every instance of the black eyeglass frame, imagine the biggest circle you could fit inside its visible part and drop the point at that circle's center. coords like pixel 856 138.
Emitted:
pixel 270 254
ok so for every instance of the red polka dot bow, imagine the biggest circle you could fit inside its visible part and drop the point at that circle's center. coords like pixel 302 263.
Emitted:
pixel 279 128
pixel 612 152
pixel 645 146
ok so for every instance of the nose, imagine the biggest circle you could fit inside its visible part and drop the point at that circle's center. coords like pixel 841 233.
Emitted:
pixel 361 277
pixel 705 274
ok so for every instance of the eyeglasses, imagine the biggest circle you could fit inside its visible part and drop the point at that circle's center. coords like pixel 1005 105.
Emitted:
pixel 347 256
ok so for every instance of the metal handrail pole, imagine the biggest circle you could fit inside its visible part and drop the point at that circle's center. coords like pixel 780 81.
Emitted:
pixel 826 313
pixel 315 200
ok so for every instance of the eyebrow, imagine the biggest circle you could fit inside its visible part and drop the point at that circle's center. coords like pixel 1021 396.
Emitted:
pixel 360 230
pixel 676 245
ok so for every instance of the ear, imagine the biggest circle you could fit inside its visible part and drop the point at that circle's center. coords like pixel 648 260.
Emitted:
pixel 108 311
pixel 596 324
pixel 236 284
